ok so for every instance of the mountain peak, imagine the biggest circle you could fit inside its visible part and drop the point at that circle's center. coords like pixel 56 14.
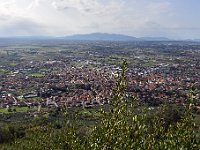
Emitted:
pixel 101 37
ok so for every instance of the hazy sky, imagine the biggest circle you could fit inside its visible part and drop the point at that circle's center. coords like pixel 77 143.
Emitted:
pixel 169 18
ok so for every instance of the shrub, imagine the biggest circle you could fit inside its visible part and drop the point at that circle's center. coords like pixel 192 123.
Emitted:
pixel 5 135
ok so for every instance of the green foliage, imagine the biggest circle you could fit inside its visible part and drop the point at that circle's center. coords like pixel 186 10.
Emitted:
pixel 120 127
pixel 7 134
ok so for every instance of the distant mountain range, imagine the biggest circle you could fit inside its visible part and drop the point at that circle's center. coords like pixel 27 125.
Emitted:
pixel 94 37
pixel 101 37
pixel 196 40
pixel 155 39
pixel 111 37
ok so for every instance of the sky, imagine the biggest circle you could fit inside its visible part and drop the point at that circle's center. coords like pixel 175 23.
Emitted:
pixel 177 19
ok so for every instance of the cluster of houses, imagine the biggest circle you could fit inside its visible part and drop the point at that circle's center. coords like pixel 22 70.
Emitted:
pixel 165 83
pixel 63 86
pixel 70 86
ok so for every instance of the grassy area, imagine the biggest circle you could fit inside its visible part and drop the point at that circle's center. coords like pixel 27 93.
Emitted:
pixel 16 109
pixel 22 109
pixel 37 75
pixel 3 110
pixel 43 70
pixel 13 64
pixel 3 71
pixel 92 112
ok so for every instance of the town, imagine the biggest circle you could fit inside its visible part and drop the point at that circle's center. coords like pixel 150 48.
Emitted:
pixel 58 74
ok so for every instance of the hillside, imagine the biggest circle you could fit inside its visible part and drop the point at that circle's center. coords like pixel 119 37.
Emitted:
pixel 101 37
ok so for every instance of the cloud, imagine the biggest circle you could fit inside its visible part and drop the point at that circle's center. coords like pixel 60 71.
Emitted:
pixel 87 6
pixel 16 20
pixel 22 27
pixel 74 16
pixel 4 17
pixel 63 17
pixel 34 3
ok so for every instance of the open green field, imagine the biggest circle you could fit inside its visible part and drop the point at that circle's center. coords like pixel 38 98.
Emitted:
pixel 37 75
pixel 2 71
pixel 16 109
